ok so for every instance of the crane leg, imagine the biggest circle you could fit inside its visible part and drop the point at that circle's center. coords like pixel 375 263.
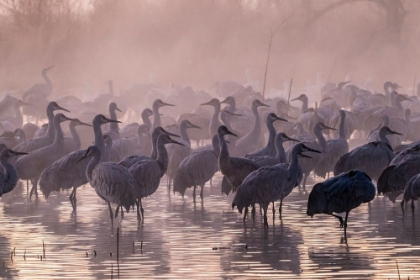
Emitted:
pixel 110 212
pixel 253 212
pixel 116 212
pixel 340 219
pixel 274 209
pixel 141 209
pixel 122 213
pixel 265 208
pixel 34 189
pixel 138 210
pixel 201 193
pixel 245 213
pixel 281 204
pixel 194 193
pixel 412 206
pixel 304 183
pixel 402 207
pixel 345 224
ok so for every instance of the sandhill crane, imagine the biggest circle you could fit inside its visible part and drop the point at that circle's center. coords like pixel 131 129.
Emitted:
pixel 11 139
pixel 9 175
pixel 372 158
pixel 131 160
pixel 280 156
pixel 335 149
pixel 250 141
pixel 214 121
pixel 197 168
pixel 147 173
pixel 111 154
pixel 234 169
pixel 73 143
pixel 15 121
pixel 156 115
pixel 411 192
pixel 139 145
pixel 30 166
pixel 132 128
pixel 177 153
pixel 340 194
pixel 65 174
pixel 37 96
pixel 112 182
pixel 401 169
pixel 309 164
pixel 309 116
pixel 270 148
pixel 40 89
pixel 269 184
pixel 48 138
pixel 29 129
pixel 113 127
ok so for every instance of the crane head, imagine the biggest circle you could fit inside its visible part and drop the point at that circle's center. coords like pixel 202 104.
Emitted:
pixel 8 153
pixel 258 103
pixel 214 102
pixel 273 117
pixel 55 107
pixel 159 103
pixel 300 97
pixel 191 125
pixel 223 130
pixel 163 131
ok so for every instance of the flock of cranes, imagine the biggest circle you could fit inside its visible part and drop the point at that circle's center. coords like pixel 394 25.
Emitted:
pixel 249 146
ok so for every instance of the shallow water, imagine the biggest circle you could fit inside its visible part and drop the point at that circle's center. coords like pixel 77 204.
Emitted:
pixel 180 239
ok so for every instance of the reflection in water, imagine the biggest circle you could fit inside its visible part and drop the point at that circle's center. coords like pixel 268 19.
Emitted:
pixel 203 240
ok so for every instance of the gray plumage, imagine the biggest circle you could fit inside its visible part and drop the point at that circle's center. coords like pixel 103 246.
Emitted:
pixel 197 168
pixel 214 121
pixel 235 169
pixel 8 173
pixel 335 149
pixel 112 182
pixel 156 115
pixel 114 130
pixel 73 144
pixel 48 138
pixel 138 145
pixel 372 158
pixel 401 169
pixel 131 160
pixel 411 192
pixel 65 173
pixel 269 184
pixel 177 153
pixel 270 148
pixel 340 194
pixel 147 173
pixel 30 166
pixel 250 142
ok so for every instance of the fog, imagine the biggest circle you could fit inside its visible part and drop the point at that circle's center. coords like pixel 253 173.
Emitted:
pixel 197 43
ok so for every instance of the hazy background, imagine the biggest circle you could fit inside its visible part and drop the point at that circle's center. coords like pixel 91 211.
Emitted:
pixel 196 43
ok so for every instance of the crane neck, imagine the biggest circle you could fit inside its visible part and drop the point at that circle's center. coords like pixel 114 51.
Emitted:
pixel 271 135
pixel 113 126
pixel 18 115
pixel 256 129
pixel 215 144
pixel 293 168
pixel 146 120
pixel 162 157
pixel 92 164
pixel 59 135
pixel 224 151
pixel 382 136
pixel 184 134
pixel 156 116
pixel 341 128
pixel 99 140
pixel 50 133
pixel 214 122
pixel 281 155
pixel 305 103
pixel 155 136
pixel 321 139
pixel 75 135
pixel 47 80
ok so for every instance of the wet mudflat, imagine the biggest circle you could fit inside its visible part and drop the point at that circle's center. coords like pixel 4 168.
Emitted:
pixel 180 239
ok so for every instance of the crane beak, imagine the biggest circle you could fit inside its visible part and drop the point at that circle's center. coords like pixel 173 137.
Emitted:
pixel 231 133
pixel 304 156
pixel 224 101
pixel 394 132
pixel 16 153
pixel 166 104
pixel 194 126
pixel 327 127
pixel 82 123
pixel 233 114
pixel 48 68
pixel 291 139
pixel 310 149
pixel 169 133
pixel 297 98
pixel 280 119
pixel 110 120
pixel 176 142
pixel 264 105
pixel 118 109
pixel 61 108
pixel 84 156
pixel 207 103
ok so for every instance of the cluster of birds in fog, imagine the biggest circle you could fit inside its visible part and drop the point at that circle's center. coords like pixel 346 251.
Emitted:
pixel 264 148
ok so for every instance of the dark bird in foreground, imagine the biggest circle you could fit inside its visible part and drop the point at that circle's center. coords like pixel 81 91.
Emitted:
pixel 340 194
pixel 8 174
